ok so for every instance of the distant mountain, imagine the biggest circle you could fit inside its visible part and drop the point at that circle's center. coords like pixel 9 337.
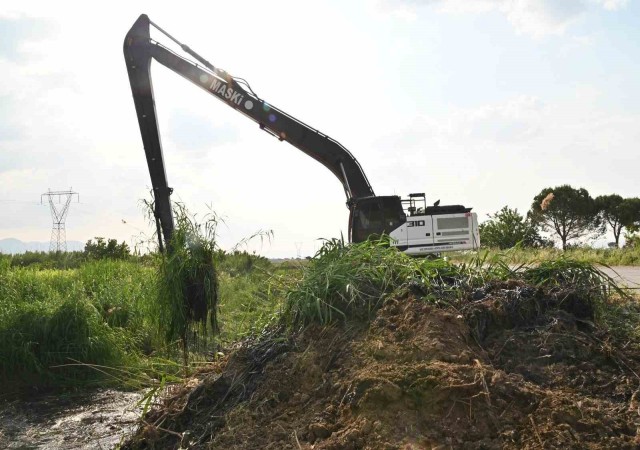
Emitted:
pixel 12 246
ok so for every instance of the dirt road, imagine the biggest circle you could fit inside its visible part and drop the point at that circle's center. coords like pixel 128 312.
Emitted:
pixel 628 276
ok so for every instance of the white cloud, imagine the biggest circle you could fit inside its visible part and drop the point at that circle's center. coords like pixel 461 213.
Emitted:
pixel 468 6
pixel 399 10
pixel 536 18
pixel 66 106
pixel 612 5
pixel 539 18
pixel 504 153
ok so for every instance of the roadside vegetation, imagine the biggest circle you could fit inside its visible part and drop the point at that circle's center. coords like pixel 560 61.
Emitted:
pixel 570 218
pixel 100 323
pixel 348 324
pixel 106 315
pixel 627 256
pixel 350 282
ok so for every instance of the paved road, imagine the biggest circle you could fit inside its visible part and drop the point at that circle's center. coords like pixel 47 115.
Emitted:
pixel 628 276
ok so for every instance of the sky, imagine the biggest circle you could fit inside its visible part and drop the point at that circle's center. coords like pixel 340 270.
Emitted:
pixel 476 102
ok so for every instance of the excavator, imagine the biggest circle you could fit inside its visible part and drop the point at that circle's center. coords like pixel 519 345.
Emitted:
pixel 413 227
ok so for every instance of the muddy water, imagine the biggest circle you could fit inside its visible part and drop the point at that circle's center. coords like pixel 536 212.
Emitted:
pixel 98 420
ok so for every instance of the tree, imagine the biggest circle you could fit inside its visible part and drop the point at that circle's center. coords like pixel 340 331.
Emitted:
pixel 619 213
pixel 568 212
pixel 633 206
pixel 506 228
pixel 631 240
pixel 110 249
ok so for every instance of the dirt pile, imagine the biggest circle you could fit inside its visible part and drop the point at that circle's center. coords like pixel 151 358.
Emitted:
pixel 513 367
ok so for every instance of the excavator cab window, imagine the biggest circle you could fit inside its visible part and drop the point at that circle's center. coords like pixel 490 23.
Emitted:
pixel 373 216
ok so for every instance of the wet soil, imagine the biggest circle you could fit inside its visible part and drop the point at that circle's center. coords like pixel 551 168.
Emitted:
pixel 96 420
pixel 514 367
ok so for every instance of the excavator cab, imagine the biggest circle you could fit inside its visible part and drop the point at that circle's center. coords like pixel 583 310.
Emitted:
pixel 373 216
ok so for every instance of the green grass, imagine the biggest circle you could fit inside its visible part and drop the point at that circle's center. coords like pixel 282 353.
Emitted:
pixel 252 290
pixel 100 323
pixel 103 321
pixel 345 282
pixel 54 324
pixel 608 256
pixel 349 282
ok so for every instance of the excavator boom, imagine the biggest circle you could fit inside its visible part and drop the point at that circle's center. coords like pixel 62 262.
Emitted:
pixel 428 230
pixel 140 49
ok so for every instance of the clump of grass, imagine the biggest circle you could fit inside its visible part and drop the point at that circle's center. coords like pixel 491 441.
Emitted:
pixel 583 287
pixel 350 282
pixel 565 271
pixel 344 282
pixel 188 280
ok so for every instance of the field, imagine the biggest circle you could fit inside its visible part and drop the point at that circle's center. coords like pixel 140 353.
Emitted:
pixel 53 323
pixel 360 347
pixel 98 325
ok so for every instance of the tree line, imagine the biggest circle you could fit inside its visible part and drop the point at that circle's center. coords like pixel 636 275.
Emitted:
pixel 235 262
pixel 97 249
pixel 566 214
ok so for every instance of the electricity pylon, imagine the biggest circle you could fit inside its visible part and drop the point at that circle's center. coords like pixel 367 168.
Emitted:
pixel 59 212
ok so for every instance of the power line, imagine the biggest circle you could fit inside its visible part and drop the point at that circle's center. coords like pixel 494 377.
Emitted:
pixel 59 213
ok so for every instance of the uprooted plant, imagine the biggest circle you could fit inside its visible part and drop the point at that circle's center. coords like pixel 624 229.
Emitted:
pixel 188 281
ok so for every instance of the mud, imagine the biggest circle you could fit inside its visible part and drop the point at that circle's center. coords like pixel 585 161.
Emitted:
pixel 97 420
pixel 513 367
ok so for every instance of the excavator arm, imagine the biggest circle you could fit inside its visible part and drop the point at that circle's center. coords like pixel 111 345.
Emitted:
pixel 140 49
